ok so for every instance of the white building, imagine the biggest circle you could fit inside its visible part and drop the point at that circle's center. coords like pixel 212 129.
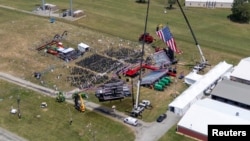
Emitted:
pixel 241 71
pixel 196 91
pixel 209 3
pixel 192 77
pixel 210 112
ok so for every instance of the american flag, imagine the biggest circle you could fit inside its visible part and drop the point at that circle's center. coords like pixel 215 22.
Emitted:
pixel 167 37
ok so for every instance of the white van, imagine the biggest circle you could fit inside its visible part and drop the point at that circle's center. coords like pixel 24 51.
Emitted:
pixel 131 121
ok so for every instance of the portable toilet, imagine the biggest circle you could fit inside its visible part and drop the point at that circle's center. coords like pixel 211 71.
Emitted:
pixel 161 83
pixel 165 81
pixel 158 87
pixel 168 78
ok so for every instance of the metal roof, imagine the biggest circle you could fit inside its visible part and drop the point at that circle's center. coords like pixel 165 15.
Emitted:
pixel 192 77
pixel 196 90
pixel 207 111
pixel 242 69
pixel 232 90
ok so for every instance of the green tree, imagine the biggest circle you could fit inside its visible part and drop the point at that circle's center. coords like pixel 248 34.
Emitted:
pixel 240 11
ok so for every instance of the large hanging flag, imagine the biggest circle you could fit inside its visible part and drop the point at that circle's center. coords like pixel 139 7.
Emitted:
pixel 167 37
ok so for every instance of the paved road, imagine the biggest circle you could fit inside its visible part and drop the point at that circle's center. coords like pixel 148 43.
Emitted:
pixel 144 132
pixel 8 136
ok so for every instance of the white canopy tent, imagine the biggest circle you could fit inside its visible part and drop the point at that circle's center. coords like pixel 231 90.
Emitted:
pixel 195 92
pixel 83 47
pixel 192 77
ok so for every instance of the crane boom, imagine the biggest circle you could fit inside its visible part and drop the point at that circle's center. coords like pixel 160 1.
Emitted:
pixel 203 60
pixel 141 61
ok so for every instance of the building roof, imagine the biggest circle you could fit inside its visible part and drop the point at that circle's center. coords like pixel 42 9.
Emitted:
pixel 207 111
pixel 78 11
pixel 242 69
pixel 192 77
pixel 198 87
pixel 83 45
pixel 50 5
pixel 232 90
pixel 67 50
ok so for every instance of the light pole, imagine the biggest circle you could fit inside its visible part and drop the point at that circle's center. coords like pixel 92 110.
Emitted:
pixel 18 107
pixel 70 12
pixel 43 5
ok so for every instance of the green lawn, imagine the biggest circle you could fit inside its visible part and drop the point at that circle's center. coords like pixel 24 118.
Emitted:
pixel 37 124
pixel 172 136
pixel 126 19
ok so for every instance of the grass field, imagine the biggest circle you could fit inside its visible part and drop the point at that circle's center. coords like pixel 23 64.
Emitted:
pixel 52 123
pixel 111 21
pixel 126 19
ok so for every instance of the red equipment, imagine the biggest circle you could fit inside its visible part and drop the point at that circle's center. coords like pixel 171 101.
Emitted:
pixel 47 44
pixel 53 52
pixel 135 70
pixel 171 74
pixel 149 67
pixel 158 49
pixel 146 38
pixel 132 71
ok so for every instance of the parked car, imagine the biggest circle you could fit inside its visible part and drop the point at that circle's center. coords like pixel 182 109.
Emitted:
pixel 161 117
pixel 131 121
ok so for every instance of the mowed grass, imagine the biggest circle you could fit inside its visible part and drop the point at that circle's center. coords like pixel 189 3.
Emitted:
pixel 126 19
pixel 52 123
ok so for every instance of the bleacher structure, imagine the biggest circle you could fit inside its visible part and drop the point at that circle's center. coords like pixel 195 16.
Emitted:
pixel 112 91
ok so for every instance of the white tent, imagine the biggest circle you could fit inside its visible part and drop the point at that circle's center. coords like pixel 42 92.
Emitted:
pixel 83 47
pixel 51 7
pixel 65 50
pixel 195 92
pixel 241 71
pixel 78 13
pixel 192 77
pixel 211 112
